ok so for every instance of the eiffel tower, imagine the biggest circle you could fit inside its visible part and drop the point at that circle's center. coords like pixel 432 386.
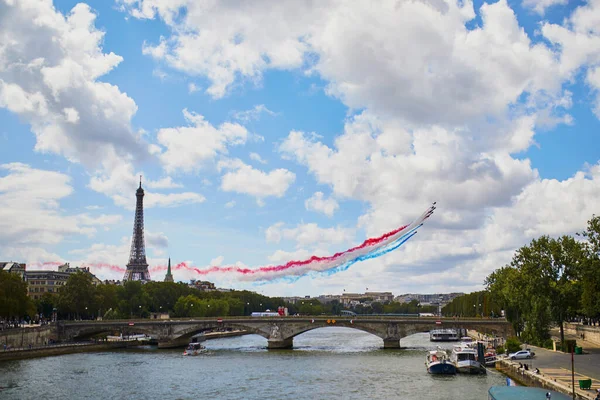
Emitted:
pixel 137 268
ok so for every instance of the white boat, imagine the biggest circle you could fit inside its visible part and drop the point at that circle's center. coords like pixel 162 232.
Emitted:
pixel 438 363
pixel 194 349
pixel 465 359
pixel 443 335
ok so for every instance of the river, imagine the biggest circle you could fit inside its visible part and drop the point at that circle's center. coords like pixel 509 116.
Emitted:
pixel 325 363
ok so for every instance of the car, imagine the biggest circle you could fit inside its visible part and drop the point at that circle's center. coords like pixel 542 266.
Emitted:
pixel 520 355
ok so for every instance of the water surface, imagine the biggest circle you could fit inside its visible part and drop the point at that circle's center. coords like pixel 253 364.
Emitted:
pixel 325 363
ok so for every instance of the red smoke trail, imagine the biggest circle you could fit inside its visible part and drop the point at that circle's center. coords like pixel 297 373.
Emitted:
pixel 296 266
pixel 278 268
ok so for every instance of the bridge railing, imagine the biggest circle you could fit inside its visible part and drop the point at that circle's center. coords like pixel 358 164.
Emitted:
pixel 392 317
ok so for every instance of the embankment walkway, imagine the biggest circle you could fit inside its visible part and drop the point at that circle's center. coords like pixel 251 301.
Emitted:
pixel 555 369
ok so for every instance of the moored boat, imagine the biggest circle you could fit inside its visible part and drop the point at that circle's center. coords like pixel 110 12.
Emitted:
pixel 465 359
pixel 438 363
pixel 490 358
pixel 443 335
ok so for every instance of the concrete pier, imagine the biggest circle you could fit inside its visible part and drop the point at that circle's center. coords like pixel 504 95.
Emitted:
pixel 391 344
pixel 280 344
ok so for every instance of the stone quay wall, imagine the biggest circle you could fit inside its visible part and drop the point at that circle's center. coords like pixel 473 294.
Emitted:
pixel 591 333
pixel 530 378
pixel 23 337
pixel 57 350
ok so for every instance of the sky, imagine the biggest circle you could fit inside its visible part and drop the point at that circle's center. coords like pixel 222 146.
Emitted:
pixel 272 131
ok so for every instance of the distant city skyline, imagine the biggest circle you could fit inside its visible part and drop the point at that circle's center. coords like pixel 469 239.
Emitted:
pixel 270 134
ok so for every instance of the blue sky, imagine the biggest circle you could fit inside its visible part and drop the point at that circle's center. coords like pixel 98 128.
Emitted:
pixel 238 114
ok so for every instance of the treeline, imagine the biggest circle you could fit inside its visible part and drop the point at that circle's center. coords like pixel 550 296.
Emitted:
pixel 79 298
pixel 476 304
pixel 14 302
pixel 548 282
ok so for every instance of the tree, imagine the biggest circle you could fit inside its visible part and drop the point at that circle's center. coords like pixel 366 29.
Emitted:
pixel 377 307
pixel 107 298
pixel 133 300
pixel 590 270
pixel 14 302
pixel 78 296
pixel 164 295
pixel 549 268
pixel 45 304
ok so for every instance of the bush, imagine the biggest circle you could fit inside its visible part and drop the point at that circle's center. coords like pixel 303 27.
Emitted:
pixel 548 344
pixel 568 345
pixel 500 350
pixel 513 345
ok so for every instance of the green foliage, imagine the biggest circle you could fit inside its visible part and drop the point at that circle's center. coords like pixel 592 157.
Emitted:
pixel 513 345
pixel 472 305
pixel 500 350
pixel 78 296
pixel 567 345
pixel 45 304
pixel 414 307
pixel 590 277
pixel 548 344
pixel 14 302
pixel 542 286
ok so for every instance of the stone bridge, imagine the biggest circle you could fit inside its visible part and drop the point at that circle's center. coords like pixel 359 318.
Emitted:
pixel 279 331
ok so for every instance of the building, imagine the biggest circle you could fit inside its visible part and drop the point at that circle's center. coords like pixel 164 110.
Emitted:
pixel 86 270
pixel 381 297
pixel 14 268
pixel 41 282
pixel 434 298
pixel 204 286
pixel 169 275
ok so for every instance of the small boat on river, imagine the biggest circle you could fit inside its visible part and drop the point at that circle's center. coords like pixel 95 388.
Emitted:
pixel 194 349
pixel 438 363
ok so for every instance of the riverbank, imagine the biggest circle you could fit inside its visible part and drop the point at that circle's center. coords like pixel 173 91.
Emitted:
pixel 557 379
pixel 61 349
pixel 58 349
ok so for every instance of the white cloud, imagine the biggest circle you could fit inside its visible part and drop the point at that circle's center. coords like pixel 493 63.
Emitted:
pixel 187 147
pixel 163 183
pixel 256 157
pixel 30 211
pixel 540 6
pixel 253 114
pixel 242 178
pixel 309 234
pixel 281 256
pixel 49 70
pixel 192 88
pixel 320 204
pixel 217 261
pixel 156 240
pixel 120 184
pixel 411 60
pixel 230 204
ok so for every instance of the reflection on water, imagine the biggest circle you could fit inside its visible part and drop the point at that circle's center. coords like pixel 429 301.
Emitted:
pixel 325 363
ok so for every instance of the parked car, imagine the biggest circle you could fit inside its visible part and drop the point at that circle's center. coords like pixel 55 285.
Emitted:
pixel 521 355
